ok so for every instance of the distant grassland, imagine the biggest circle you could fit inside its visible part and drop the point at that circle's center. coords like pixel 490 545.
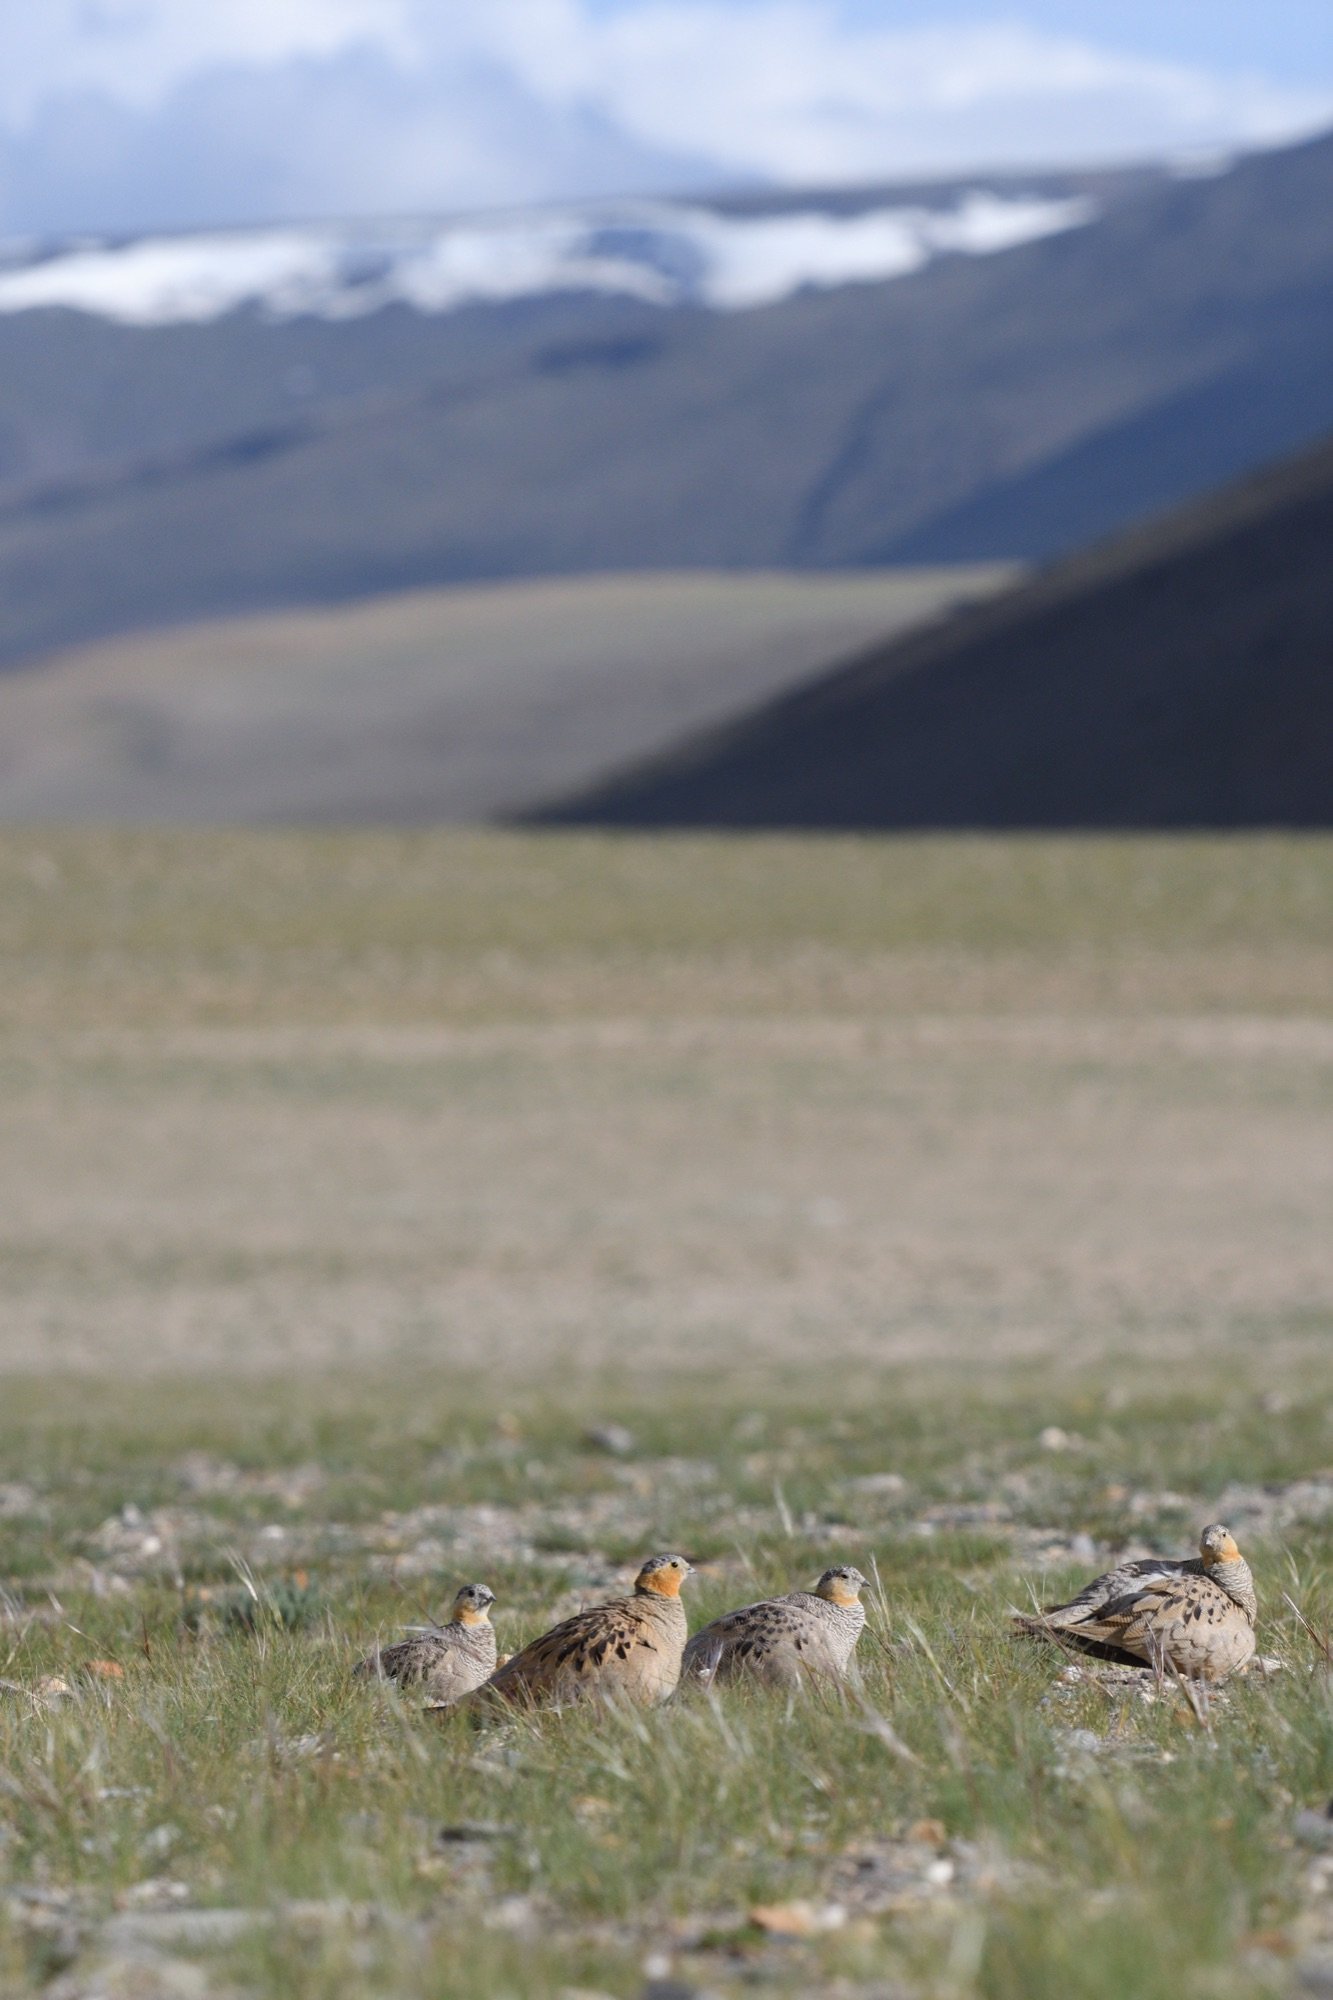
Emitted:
pixel 103 928
pixel 457 1101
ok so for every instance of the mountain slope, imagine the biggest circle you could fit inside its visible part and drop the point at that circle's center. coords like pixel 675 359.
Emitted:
pixel 114 354
pixel 1015 402
pixel 1182 676
pixel 455 704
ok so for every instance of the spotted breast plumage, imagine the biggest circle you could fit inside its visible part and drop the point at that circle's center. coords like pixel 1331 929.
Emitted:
pixel 784 1641
pixel 628 1649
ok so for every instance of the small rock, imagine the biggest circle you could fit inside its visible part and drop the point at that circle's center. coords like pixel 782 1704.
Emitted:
pixel 157 1893
pixel 133 1975
pixel 873 1483
pixel 189 1930
pixel 160 1841
pixel 1314 1826
pixel 513 1913
pixel 1054 1439
pixel 612 1438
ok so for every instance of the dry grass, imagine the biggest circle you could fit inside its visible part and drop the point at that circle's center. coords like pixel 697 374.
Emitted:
pixel 461 1100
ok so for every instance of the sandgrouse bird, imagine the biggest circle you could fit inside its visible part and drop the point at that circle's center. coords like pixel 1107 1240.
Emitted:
pixel 1195 1615
pixel 784 1640
pixel 627 1650
pixel 447 1662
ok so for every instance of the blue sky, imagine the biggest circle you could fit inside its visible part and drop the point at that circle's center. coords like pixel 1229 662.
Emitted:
pixel 1285 39
pixel 134 114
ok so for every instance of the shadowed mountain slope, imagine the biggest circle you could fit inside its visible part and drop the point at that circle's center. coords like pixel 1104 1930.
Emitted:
pixel 1181 676
pixel 1012 404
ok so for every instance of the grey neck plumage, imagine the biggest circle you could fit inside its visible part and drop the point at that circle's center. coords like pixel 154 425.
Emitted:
pixel 1235 1579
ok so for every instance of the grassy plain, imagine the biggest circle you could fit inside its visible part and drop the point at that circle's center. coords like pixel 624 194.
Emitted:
pixel 959 1208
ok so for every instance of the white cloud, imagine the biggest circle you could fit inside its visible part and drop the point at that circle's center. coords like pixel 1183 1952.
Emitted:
pixel 131 113
pixel 136 52
pixel 782 89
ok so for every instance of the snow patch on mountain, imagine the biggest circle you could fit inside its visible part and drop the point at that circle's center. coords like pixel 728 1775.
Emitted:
pixel 664 253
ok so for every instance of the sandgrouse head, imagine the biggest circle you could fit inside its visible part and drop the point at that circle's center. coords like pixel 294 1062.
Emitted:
pixel 661 1576
pixel 472 1606
pixel 842 1585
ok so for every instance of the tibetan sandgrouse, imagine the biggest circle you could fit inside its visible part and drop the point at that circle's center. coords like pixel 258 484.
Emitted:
pixel 1196 1616
pixel 447 1662
pixel 784 1640
pixel 627 1650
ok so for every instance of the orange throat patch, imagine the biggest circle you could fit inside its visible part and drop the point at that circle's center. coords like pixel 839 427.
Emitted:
pixel 659 1583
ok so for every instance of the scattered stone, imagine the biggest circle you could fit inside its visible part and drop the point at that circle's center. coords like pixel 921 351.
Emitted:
pixel 181 1930
pixel 160 1842
pixel 517 1914
pixel 1314 1826
pixel 140 1544
pixel 612 1438
pixel 878 1485
pixel 136 1974
pixel 159 1892
pixel 209 1478
pixel 886 1877
pixel 1267 1510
